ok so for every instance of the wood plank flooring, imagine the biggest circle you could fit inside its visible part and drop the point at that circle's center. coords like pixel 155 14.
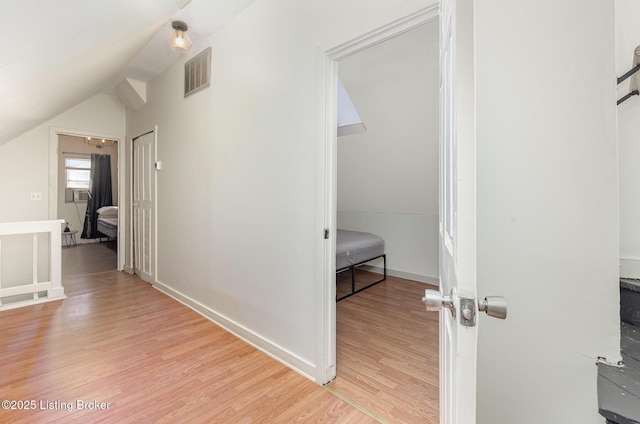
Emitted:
pixel 387 358
pixel 89 258
pixel 119 343
pixel 116 340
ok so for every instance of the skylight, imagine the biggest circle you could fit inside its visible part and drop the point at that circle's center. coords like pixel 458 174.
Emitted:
pixel 349 121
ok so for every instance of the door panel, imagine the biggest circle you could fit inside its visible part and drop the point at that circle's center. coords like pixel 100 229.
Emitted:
pixel 457 210
pixel 143 213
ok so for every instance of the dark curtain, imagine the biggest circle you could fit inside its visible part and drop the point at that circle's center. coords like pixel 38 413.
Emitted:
pixel 99 193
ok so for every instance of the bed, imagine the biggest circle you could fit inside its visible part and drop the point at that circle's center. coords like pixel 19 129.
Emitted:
pixel 356 248
pixel 108 221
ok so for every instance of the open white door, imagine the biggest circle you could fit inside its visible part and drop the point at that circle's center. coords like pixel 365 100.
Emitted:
pixel 458 342
pixel 142 206
pixel 456 300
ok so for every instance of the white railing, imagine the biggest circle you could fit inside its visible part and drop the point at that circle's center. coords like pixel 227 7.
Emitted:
pixel 53 287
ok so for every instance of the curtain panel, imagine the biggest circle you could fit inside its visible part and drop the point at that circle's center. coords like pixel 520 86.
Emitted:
pixel 100 193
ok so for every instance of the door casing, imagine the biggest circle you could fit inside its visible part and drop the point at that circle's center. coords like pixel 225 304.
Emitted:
pixel 327 177
pixel 54 133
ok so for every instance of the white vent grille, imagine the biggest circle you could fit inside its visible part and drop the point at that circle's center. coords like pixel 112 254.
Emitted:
pixel 197 73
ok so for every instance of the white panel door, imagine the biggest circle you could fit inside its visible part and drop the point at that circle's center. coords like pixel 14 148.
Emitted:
pixel 142 206
pixel 458 343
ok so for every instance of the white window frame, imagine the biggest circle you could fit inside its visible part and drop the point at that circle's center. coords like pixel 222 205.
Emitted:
pixel 68 168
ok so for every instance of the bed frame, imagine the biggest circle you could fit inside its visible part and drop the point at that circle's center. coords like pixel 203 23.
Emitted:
pixel 353 267
pixel 107 231
pixel 110 233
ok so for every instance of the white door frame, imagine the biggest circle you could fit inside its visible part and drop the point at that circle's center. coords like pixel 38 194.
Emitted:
pixel 54 133
pixel 327 178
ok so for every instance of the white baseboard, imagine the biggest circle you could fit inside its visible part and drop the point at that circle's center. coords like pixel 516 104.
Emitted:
pixel 271 349
pixel 401 274
pixel 630 268
pixel 30 302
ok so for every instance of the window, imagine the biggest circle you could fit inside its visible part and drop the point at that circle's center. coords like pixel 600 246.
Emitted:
pixel 77 172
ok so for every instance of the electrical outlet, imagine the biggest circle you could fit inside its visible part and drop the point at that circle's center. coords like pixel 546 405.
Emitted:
pixel 35 195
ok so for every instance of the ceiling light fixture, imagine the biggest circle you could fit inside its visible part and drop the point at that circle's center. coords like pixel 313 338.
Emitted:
pixel 99 142
pixel 179 40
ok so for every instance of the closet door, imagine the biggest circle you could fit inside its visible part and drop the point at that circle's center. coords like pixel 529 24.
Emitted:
pixel 142 206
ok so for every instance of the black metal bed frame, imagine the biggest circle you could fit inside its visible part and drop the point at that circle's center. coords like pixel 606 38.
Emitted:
pixel 109 238
pixel 353 276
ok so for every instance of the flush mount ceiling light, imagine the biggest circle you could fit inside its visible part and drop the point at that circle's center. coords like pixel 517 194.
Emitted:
pixel 179 40
pixel 99 143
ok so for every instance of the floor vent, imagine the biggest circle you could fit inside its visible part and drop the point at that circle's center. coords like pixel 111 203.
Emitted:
pixel 197 73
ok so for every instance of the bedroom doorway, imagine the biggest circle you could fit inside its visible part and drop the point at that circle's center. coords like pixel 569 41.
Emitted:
pixel 69 197
pixel 387 185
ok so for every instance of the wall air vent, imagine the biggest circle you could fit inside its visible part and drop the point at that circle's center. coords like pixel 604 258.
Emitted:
pixel 197 73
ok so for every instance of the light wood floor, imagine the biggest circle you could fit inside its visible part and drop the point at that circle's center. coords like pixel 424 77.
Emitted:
pixel 117 340
pixel 388 351
pixel 89 258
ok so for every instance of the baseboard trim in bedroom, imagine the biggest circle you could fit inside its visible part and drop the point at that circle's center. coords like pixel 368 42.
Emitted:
pixel 402 274
pixel 280 354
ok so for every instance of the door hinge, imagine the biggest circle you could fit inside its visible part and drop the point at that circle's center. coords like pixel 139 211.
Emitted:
pixel 326 233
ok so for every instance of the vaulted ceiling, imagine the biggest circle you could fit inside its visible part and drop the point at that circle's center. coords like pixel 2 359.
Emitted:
pixel 56 54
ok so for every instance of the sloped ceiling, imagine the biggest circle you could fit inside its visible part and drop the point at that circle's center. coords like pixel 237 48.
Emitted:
pixel 56 54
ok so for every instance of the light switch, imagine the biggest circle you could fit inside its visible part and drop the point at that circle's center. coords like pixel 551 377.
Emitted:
pixel 35 195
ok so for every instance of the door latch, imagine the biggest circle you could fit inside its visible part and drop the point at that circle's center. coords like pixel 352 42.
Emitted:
pixel 467 312
pixel 494 306
pixel 434 301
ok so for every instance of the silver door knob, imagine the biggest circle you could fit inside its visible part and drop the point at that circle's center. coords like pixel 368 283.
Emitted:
pixel 494 306
pixel 434 301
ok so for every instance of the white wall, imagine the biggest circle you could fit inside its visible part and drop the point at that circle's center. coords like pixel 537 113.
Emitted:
pixel 388 176
pixel 237 200
pixel 548 227
pixel 24 166
pixel 24 161
pixel 627 39
pixel 629 174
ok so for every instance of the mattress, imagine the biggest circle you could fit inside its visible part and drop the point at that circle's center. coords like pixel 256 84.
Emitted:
pixel 355 247
pixel 108 226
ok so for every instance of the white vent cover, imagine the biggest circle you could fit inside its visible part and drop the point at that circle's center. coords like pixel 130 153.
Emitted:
pixel 197 73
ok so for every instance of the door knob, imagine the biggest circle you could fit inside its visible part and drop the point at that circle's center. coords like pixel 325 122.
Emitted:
pixel 434 301
pixel 494 306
